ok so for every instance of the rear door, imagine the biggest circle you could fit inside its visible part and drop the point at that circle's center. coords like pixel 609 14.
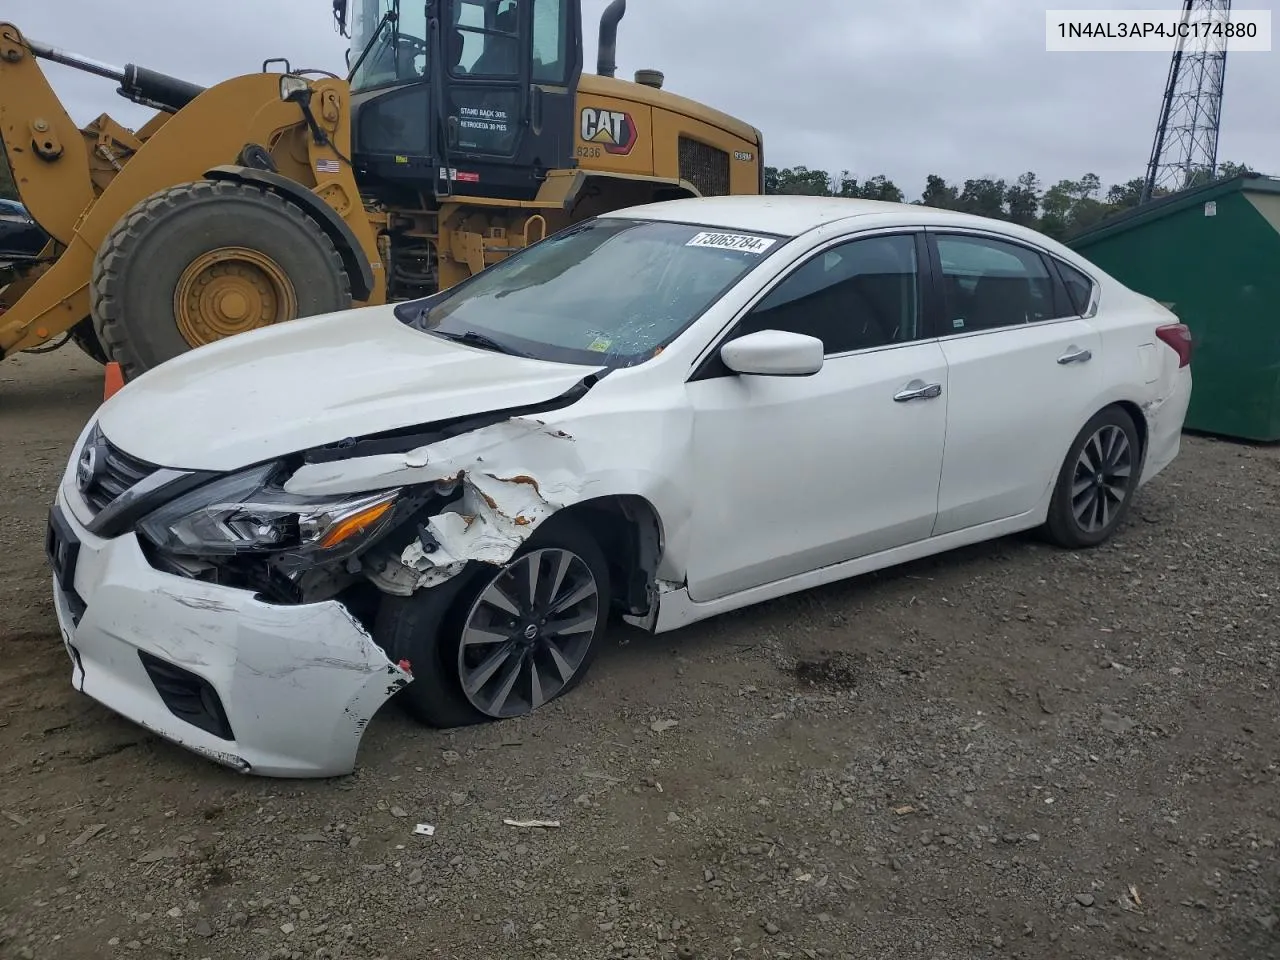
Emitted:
pixel 1022 374
pixel 509 75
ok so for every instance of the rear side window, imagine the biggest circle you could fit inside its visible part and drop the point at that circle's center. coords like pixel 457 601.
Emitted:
pixel 1079 286
pixel 990 284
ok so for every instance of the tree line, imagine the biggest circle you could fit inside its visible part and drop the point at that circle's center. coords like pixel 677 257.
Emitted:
pixel 1065 208
pixel 1061 210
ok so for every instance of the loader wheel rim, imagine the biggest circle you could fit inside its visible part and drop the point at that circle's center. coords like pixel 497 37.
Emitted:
pixel 231 290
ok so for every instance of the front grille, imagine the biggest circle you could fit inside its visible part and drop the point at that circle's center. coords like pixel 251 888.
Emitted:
pixel 111 473
pixel 188 697
pixel 706 167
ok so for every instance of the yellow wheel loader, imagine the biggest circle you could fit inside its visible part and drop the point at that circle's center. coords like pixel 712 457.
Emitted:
pixel 464 131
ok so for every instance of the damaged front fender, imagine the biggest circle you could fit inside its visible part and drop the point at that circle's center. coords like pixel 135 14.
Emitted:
pixel 511 477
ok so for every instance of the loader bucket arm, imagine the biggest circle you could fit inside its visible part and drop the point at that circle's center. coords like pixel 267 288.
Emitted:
pixel 210 132
pixel 45 149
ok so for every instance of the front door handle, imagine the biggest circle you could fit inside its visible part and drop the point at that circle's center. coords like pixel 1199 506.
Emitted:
pixel 1076 355
pixel 918 390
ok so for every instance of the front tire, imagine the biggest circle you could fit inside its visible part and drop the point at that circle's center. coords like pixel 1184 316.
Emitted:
pixel 499 642
pixel 198 262
pixel 1097 482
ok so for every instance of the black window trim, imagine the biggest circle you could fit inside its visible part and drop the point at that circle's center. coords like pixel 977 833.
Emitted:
pixel 1047 258
pixel 708 365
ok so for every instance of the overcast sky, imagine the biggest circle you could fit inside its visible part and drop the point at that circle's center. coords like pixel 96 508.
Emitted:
pixel 963 88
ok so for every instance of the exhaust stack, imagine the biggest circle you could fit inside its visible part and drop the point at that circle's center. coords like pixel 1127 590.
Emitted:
pixel 607 50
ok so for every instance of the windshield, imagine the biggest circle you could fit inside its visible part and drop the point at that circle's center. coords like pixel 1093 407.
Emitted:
pixel 609 292
pixel 399 48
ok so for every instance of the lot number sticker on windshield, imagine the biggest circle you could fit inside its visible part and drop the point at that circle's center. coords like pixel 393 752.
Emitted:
pixel 732 241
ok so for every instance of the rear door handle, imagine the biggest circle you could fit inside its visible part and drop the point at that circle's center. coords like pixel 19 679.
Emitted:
pixel 1076 355
pixel 918 390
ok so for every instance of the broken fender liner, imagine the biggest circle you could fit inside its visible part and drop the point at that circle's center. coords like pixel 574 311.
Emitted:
pixel 411 438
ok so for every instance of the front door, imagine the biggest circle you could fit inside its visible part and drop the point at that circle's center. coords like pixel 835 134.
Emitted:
pixel 829 467
pixel 509 76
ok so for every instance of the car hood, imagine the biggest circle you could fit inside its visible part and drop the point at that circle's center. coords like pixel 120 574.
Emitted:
pixel 313 381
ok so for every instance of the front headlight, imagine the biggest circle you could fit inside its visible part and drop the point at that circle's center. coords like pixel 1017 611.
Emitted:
pixel 247 513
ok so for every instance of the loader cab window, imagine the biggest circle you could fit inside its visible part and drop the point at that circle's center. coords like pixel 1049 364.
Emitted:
pixel 398 53
pixel 550 30
pixel 490 36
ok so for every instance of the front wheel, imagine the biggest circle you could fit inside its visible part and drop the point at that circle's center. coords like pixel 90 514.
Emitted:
pixel 1097 481
pixel 506 640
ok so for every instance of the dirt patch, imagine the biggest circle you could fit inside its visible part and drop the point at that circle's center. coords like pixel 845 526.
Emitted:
pixel 832 669
pixel 1008 751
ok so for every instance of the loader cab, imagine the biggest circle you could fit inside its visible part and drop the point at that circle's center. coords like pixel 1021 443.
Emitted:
pixel 471 97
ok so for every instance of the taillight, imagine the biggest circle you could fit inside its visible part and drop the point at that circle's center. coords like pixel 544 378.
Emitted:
pixel 1177 336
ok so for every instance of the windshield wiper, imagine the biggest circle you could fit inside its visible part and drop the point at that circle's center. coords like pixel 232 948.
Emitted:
pixel 473 339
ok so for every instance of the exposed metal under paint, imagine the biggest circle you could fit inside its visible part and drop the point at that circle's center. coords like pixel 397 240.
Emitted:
pixel 493 518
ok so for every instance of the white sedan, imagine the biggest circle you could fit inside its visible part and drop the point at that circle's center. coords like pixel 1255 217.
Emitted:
pixel 665 413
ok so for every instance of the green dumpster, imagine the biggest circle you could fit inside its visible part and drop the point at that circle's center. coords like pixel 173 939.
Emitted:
pixel 1212 255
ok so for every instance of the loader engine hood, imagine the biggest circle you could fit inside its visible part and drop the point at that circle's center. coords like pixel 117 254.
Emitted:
pixel 315 381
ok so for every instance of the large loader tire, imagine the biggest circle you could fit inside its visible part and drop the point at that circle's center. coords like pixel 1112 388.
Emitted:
pixel 201 261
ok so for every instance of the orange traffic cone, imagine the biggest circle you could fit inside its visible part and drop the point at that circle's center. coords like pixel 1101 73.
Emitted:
pixel 114 381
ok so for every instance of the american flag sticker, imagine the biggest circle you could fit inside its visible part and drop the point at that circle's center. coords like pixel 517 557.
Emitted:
pixel 327 166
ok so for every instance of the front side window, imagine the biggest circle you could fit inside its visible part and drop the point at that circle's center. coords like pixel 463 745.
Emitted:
pixel 853 296
pixel 989 284
pixel 397 47
pixel 609 292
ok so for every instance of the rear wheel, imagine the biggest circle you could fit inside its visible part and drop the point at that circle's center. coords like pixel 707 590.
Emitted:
pixel 1097 481
pixel 202 261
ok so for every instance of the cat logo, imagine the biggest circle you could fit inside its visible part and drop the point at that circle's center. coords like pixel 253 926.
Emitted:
pixel 613 130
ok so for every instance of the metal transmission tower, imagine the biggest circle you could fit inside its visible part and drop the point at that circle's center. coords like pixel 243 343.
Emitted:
pixel 1185 151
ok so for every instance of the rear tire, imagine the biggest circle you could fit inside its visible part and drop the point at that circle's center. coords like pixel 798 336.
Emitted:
pixel 202 261
pixel 1097 482
pixel 428 629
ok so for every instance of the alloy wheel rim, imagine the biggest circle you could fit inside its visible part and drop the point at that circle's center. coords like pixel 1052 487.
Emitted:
pixel 528 632
pixel 1100 482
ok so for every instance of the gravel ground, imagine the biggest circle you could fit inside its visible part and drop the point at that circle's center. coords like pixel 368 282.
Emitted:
pixel 1008 751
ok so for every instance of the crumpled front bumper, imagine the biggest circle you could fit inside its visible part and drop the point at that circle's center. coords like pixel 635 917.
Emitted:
pixel 275 690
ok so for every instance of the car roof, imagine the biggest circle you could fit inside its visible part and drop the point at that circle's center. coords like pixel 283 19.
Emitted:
pixel 785 215
pixel 793 215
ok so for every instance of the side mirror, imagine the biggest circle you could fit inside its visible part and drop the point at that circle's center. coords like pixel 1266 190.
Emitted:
pixel 774 353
